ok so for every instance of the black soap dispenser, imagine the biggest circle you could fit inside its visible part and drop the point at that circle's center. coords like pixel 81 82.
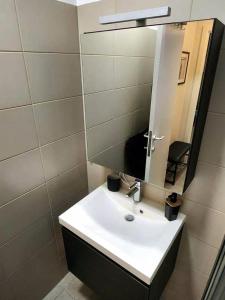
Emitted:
pixel 113 182
pixel 172 206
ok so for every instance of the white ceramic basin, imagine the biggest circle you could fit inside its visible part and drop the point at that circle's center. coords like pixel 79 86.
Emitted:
pixel 138 246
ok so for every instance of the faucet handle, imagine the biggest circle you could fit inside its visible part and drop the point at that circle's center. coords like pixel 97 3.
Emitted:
pixel 136 184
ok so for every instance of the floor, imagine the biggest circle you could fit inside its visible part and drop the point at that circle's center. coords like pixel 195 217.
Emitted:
pixel 71 288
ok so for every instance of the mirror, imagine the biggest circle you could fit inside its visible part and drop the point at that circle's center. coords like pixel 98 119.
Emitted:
pixel 143 96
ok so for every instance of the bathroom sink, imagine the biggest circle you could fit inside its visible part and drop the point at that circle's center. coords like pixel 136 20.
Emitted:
pixel 137 236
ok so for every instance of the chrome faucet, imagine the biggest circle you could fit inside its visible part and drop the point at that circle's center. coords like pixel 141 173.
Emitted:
pixel 135 191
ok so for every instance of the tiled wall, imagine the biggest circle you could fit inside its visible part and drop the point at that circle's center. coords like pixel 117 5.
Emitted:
pixel 204 202
pixel 118 74
pixel 42 154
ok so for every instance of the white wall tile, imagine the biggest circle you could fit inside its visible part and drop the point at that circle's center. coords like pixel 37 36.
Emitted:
pixel 17 131
pixel 213 143
pixel 204 9
pixel 48 26
pixel 204 223
pixel 97 73
pixel 53 76
pixel 63 155
pixel 9 30
pixel 217 103
pixel 19 175
pixel 207 187
pixel 13 81
pixel 88 15
pixel 58 119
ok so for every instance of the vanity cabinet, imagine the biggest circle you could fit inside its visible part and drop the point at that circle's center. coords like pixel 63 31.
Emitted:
pixel 109 280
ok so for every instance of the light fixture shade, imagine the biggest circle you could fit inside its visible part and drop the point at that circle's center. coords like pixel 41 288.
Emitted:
pixel 78 2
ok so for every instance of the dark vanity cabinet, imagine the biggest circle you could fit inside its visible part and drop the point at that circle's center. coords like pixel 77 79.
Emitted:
pixel 109 280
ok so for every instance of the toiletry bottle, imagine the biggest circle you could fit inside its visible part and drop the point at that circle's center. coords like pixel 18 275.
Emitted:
pixel 172 207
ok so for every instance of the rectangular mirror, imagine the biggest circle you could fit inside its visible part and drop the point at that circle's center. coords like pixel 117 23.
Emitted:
pixel 146 94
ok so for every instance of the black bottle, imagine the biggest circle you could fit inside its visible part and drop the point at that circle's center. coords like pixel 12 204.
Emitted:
pixel 113 182
pixel 172 207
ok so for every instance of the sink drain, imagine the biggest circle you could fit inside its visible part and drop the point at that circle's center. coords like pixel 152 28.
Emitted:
pixel 129 218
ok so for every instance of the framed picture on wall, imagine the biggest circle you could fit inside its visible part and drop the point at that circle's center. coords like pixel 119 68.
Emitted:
pixel 183 67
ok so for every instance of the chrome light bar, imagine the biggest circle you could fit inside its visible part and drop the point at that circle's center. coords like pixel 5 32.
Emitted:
pixel 136 15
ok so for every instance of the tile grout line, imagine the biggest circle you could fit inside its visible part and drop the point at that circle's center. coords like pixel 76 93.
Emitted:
pixel 203 205
pixel 42 146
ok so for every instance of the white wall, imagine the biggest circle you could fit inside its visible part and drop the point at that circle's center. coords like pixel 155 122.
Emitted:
pixel 204 202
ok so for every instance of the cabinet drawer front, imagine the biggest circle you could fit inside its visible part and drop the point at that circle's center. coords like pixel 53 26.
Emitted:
pixel 98 272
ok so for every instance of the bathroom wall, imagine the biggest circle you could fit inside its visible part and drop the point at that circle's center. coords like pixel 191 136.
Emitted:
pixel 42 154
pixel 117 98
pixel 204 201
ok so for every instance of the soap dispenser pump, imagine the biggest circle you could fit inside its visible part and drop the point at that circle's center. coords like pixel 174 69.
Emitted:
pixel 172 207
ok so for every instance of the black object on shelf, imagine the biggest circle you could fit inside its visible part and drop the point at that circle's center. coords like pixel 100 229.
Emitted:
pixel 177 152
pixel 172 207
pixel 113 182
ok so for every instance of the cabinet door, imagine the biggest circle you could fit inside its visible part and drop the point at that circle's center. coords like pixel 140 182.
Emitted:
pixel 98 272
pixel 166 70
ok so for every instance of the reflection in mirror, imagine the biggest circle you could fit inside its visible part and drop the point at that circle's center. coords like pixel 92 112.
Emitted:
pixel 185 107
pixel 141 92
pixel 118 75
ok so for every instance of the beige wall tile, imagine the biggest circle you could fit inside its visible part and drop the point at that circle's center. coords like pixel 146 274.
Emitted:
pixel 22 212
pixel 96 175
pixel 196 255
pixel 9 31
pixel 98 43
pixel 135 42
pixel 58 119
pixel 88 15
pixel 67 189
pixel 153 193
pixel 217 100
pixel 114 103
pixel 63 155
pixel 208 187
pixel 48 25
pixel 213 142
pixel 97 73
pixel 203 9
pixel 204 223
pixel 187 284
pixel 103 136
pixel 19 175
pixel 17 131
pixel 133 70
pixel 44 270
pixel 53 75
pixel 180 10
pixel 24 246
pixel 13 81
